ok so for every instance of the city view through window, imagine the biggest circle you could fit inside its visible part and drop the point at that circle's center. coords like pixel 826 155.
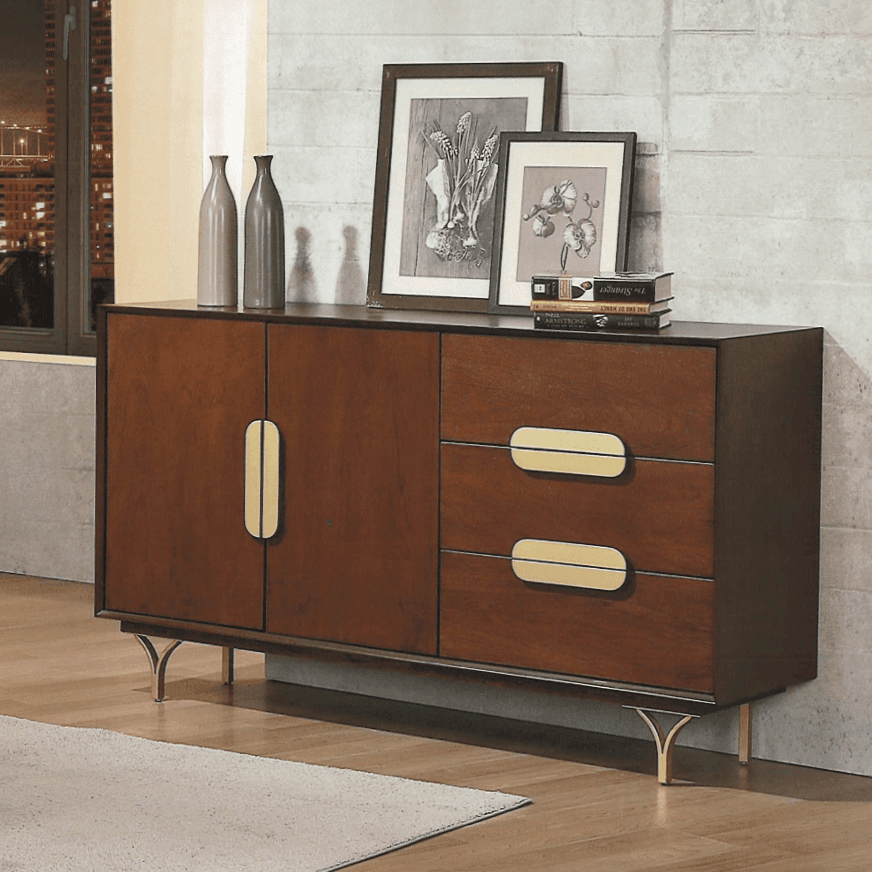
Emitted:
pixel 35 40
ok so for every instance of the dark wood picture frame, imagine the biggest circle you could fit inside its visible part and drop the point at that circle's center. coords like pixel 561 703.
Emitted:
pixel 562 207
pixel 437 162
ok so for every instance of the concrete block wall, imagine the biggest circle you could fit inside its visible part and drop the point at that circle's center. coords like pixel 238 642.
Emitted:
pixel 47 433
pixel 767 212
pixel 754 184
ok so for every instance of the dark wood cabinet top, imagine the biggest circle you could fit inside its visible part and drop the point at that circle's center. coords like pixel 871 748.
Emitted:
pixel 678 333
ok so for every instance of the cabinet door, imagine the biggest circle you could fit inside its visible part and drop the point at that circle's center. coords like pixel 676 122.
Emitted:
pixel 355 559
pixel 180 393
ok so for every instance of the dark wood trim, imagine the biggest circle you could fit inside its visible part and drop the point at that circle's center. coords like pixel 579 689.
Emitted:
pixel 678 333
pixel 664 699
pixel 102 411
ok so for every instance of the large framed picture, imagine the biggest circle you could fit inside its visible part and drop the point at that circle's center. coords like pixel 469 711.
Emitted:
pixel 562 207
pixel 436 175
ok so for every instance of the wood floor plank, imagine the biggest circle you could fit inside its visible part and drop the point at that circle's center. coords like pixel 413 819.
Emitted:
pixel 596 803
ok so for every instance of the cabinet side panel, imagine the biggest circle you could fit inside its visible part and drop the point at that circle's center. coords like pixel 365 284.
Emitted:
pixel 356 558
pixel 180 392
pixel 768 512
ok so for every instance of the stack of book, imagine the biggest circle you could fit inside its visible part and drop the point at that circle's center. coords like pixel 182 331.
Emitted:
pixel 615 301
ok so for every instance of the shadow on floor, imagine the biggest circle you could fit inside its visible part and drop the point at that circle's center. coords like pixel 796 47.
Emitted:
pixel 691 766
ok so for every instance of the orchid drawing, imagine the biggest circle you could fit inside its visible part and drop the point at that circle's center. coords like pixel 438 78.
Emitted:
pixel 559 201
pixel 462 182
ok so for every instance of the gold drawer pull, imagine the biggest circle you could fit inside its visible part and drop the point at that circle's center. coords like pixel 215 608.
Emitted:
pixel 576 452
pixel 253 473
pixel 270 520
pixel 262 449
pixel 594 567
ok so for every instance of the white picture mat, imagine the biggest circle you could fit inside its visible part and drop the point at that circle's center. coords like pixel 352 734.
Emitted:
pixel 609 155
pixel 533 88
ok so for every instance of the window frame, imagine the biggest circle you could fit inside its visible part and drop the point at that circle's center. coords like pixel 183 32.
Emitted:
pixel 72 270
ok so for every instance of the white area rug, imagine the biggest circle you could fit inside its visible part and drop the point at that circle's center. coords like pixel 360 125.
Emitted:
pixel 83 799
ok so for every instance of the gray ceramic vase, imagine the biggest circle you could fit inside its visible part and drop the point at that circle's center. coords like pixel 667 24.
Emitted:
pixel 264 276
pixel 217 265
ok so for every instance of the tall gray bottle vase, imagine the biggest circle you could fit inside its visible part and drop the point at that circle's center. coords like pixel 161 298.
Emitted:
pixel 264 274
pixel 218 261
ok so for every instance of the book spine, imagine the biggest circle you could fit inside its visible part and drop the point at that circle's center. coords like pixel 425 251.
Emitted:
pixel 559 287
pixel 594 321
pixel 591 306
pixel 628 291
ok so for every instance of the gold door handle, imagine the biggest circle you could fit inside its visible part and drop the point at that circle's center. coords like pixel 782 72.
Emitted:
pixel 262 452
pixel 575 452
pixel 569 564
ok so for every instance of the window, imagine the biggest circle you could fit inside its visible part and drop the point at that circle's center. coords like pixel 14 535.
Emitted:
pixel 56 193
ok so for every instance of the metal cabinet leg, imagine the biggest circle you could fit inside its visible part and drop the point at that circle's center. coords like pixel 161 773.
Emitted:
pixel 665 741
pixel 227 665
pixel 158 664
pixel 745 733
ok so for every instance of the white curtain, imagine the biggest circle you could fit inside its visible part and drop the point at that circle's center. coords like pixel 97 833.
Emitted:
pixel 227 38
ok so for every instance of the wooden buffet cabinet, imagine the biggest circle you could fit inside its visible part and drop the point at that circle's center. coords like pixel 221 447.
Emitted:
pixel 393 509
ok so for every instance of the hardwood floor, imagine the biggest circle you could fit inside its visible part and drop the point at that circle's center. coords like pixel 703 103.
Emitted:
pixel 596 801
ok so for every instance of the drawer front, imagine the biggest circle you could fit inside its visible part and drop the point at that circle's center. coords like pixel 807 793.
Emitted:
pixel 659 515
pixel 656 630
pixel 659 400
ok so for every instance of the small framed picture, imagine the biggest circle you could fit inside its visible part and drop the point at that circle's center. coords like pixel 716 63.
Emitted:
pixel 562 207
pixel 436 176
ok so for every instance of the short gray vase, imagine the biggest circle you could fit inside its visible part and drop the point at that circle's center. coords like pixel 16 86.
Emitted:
pixel 264 276
pixel 218 263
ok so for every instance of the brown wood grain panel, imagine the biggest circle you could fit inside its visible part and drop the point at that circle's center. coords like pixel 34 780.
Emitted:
pixel 180 394
pixel 658 399
pixel 659 515
pixel 768 461
pixel 655 631
pixel 356 560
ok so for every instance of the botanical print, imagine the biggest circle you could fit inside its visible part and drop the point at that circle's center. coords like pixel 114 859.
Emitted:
pixel 450 182
pixel 560 230
pixel 462 181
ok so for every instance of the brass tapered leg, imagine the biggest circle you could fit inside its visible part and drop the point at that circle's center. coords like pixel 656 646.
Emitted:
pixel 745 733
pixel 227 665
pixel 664 741
pixel 158 664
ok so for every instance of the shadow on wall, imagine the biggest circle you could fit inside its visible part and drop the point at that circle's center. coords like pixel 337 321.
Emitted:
pixel 645 252
pixel 645 249
pixel 350 284
pixel 301 282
